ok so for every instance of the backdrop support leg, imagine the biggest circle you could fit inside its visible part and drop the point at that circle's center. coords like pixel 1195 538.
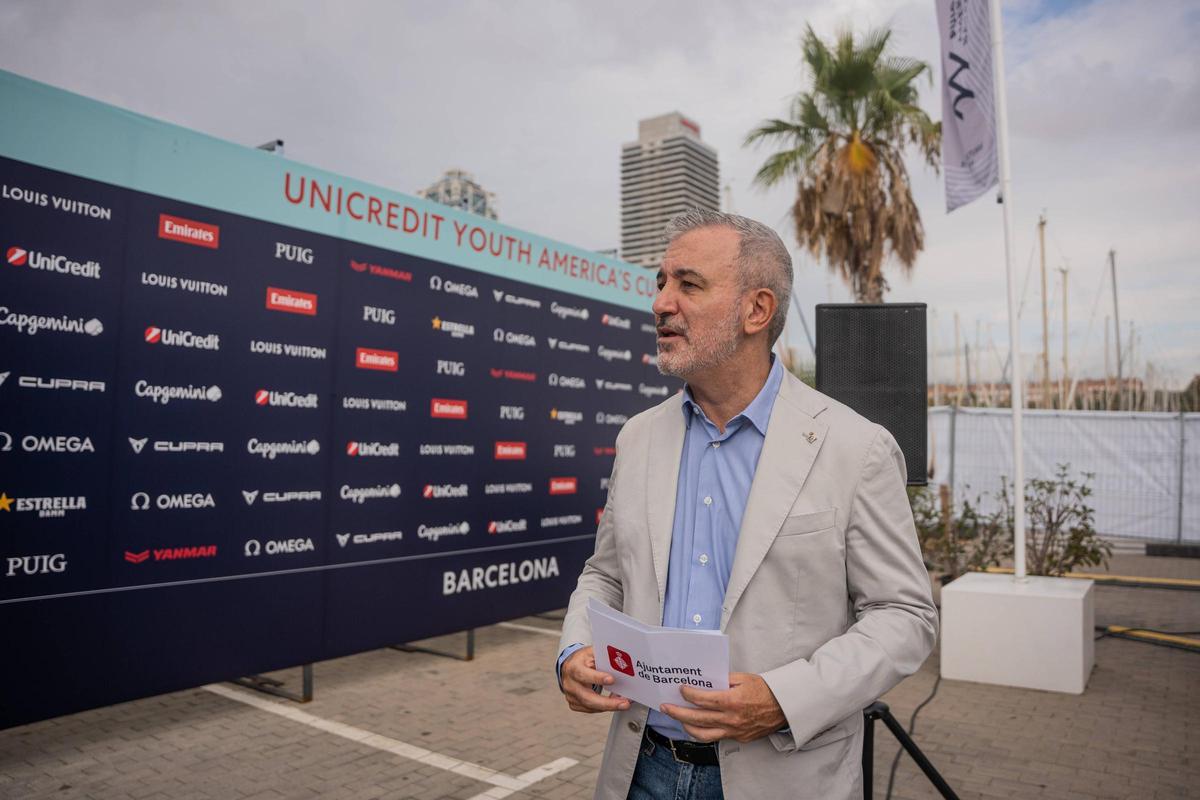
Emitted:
pixel 261 683
pixel 470 656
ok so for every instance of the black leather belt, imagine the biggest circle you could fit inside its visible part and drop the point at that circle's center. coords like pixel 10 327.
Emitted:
pixel 700 754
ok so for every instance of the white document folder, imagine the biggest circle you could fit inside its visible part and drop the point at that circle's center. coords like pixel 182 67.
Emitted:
pixel 649 663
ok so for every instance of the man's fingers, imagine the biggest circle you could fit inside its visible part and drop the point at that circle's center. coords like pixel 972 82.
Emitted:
pixel 701 734
pixel 581 667
pixel 695 716
pixel 704 698
pixel 589 701
pixel 582 674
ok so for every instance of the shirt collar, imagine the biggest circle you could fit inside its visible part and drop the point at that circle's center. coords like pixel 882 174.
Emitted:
pixel 759 410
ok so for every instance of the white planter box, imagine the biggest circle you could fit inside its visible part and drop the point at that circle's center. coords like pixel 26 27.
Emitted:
pixel 1035 635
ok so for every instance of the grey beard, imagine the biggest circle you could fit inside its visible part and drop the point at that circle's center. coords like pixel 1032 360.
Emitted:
pixel 707 352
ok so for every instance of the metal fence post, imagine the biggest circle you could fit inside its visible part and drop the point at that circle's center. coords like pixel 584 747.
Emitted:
pixel 1179 510
pixel 953 429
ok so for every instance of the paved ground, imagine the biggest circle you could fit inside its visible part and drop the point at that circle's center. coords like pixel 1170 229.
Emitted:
pixel 386 724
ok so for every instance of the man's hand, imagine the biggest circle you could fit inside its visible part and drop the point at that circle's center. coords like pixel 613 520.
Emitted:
pixel 579 674
pixel 746 711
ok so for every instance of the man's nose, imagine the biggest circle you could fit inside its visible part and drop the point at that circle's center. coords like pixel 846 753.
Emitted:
pixel 664 303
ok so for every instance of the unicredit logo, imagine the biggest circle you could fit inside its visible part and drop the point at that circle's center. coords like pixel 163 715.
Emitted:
pixel 440 408
pixel 190 231
pixel 507 526
pixel 613 321
pixel 173 338
pixel 49 262
pixel 268 397
pixel 291 301
pixel 510 451
pixel 384 360
pixel 564 485
pixel 373 449
pixel 445 490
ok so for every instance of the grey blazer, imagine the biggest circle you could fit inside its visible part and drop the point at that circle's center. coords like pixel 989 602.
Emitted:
pixel 828 597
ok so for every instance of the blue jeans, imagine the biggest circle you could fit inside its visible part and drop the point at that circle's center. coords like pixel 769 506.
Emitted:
pixel 658 776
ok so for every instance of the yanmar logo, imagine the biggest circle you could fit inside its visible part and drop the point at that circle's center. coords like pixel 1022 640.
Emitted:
pixel 173 338
pixel 291 301
pixel 189 231
pixel 564 485
pixel 172 553
pixel 382 272
pixel 382 360
pixel 441 408
pixel 510 451
pixel 513 375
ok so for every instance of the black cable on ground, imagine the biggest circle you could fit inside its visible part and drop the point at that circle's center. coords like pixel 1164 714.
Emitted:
pixel 912 725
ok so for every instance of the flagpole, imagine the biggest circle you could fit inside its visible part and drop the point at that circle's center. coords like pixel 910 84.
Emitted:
pixel 1018 376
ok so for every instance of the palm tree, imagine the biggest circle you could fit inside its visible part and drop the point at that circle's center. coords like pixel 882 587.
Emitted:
pixel 844 144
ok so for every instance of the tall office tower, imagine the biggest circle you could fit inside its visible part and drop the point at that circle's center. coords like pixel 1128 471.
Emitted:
pixel 667 170
pixel 459 190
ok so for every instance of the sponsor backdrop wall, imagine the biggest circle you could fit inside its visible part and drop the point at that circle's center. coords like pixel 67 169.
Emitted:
pixel 253 414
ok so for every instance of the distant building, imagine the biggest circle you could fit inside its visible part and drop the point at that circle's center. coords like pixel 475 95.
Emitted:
pixel 667 170
pixel 458 189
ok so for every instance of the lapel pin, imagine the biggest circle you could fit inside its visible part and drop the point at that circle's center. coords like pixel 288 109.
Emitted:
pixel 811 437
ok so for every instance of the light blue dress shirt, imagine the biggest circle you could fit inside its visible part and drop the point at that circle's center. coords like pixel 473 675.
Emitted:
pixel 715 473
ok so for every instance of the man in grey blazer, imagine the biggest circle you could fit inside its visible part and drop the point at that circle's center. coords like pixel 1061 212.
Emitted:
pixel 757 505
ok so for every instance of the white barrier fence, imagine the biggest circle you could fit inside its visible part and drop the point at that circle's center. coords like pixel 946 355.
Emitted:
pixel 1146 465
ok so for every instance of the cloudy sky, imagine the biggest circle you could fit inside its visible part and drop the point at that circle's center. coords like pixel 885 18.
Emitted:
pixel 536 99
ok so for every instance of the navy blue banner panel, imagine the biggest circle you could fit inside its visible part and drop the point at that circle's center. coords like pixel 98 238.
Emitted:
pixel 254 415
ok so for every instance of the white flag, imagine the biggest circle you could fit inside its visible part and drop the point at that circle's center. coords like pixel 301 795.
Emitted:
pixel 968 110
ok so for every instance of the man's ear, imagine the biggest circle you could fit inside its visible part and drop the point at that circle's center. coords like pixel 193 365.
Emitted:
pixel 761 304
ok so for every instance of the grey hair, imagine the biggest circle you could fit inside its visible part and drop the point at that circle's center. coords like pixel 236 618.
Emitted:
pixel 763 260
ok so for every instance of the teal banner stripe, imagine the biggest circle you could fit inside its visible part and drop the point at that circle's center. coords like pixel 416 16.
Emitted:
pixel 55 129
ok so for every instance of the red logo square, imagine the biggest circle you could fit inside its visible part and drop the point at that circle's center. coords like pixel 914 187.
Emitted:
pixel 620 661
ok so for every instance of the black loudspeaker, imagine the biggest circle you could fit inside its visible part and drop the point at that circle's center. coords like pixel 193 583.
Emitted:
pixel 872 358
